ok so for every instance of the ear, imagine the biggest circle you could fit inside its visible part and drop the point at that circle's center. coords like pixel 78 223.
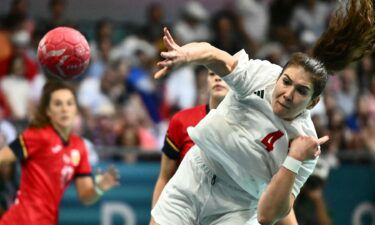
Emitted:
pixel 313 102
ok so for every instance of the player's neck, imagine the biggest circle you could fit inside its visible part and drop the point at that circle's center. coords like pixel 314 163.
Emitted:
pixel 213 103
pixel 64 132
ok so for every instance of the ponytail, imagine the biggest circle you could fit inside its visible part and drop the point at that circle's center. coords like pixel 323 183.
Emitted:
pixel 350 36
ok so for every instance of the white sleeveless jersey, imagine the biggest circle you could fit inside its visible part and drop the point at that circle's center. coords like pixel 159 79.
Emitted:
pixel 243 138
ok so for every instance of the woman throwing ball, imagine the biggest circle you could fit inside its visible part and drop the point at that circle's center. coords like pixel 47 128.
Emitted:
pixel 256 150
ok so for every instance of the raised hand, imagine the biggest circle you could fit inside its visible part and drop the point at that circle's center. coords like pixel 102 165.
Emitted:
pixel 174 56
pixel 306 147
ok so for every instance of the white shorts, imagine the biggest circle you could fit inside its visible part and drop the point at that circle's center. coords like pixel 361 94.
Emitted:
pixel 195 195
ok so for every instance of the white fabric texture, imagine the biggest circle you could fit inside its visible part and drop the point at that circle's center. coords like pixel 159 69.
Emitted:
pixel 193 196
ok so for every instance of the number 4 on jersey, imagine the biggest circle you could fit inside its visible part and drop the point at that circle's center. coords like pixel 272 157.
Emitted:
pixel 270 139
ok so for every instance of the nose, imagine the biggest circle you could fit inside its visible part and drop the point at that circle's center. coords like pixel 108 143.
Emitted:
pixel 64 107
pixel 217 78
pixel 288 95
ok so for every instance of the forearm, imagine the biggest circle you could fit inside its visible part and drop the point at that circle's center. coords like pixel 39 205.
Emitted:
pixel 91 196
pixel 160 184
pixel 276 202
pixel 220 62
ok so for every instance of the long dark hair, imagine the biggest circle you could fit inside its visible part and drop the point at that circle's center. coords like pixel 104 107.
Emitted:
pixel 350 36
pixel 40 118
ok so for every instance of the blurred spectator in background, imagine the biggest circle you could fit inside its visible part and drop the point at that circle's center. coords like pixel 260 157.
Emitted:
pixel 346 95
pixel 192 24
pixel 18 17
pixel 57 17
pixel 153 28
pixel 17 89
pixel 280 17
pixel 21 49
pixel 180 90
pixel 229 33
pixel 129 141
pixel 365 70
pixel 309 19
pixel 255 17
pixel 103 33
pixel 102 132
pixel 102 58
pixel 310 207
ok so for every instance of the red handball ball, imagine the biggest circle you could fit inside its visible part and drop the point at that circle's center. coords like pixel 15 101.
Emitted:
pixel 64 53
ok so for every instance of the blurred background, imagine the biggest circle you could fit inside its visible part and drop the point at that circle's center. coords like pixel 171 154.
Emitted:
pixel 125 112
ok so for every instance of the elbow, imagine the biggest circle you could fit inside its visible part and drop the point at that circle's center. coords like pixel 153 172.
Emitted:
pixel 270 217
pixel 264 220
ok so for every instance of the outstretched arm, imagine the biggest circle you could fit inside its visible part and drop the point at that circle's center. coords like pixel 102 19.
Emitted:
pixel 277 200
pixel 89 191
pixel 220 62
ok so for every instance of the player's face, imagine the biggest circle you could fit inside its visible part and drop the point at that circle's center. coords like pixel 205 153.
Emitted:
pixel 62 109
pixel 217 87
pixel 293 93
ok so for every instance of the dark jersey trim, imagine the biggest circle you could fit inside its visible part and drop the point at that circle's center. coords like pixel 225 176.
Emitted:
pixel 170 149
pixel 83 175
pixel 207 108
pixel 19 149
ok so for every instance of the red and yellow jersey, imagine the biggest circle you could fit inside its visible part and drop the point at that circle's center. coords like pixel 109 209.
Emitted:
pixel 48 165
pixel 177 141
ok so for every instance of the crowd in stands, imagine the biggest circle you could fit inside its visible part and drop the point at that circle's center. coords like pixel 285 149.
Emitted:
pixel 122 105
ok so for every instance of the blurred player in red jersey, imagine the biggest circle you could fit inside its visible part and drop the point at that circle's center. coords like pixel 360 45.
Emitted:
pixel 51 156
pixel 177 141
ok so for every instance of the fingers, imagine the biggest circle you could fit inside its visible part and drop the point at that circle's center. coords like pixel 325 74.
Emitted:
pixel 317 153
pixel 169 37
pixel 114 173
pixel 169 54
pixel 323 140
pixel 162 72
pixel 168 44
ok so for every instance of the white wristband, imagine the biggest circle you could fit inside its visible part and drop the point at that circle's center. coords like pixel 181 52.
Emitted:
pixel 98 190
pixel 292 164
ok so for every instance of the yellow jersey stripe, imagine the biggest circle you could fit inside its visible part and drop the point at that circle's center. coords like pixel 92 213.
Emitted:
pixel 24 149
pixel 171 144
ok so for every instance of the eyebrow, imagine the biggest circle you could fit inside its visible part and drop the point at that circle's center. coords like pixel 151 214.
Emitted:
pixel 300 85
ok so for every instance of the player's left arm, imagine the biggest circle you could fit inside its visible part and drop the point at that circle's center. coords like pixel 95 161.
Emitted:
pixel 89 191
